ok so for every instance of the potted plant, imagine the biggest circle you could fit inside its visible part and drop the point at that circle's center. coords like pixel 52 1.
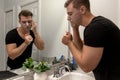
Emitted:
pixel 40 70
pixel 29 64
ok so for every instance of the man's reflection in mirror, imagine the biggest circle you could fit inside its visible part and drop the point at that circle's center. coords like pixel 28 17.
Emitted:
pixel 19 41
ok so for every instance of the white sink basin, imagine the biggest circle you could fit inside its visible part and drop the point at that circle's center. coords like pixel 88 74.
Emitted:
pixel 73 76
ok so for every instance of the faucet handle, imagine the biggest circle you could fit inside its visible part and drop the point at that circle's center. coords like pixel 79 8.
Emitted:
pixel 67 68
pixel 69 65
pixel 56 71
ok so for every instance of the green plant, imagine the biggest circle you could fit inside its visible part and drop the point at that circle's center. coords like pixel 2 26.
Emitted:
pixel 29 64
pixel 41 67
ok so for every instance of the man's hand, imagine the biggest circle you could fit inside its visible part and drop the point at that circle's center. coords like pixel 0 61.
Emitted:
pixel 28 39
pixel 33 28
pixel 67 38
pixel 73 25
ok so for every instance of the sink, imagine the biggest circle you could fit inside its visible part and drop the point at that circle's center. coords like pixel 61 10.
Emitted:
pixel 76 76
pixel 73 76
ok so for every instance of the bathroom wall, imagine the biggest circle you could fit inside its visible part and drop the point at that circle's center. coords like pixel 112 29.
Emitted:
pixel 107 8
pixel 2 54
pixel 118 20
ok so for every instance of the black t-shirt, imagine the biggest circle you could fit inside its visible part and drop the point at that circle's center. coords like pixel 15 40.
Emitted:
pixel 102 32
pixel 13 37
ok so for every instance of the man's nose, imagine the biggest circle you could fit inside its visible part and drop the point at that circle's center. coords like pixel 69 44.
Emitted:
pixel 27 24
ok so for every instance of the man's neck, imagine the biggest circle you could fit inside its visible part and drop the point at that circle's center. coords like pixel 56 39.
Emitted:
pixel 22 31
pixel 87 19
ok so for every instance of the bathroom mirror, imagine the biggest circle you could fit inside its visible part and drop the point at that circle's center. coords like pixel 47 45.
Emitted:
pixel 51 19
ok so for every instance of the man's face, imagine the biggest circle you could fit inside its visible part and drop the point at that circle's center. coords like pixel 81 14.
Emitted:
pixel 74 15
pixel 26 22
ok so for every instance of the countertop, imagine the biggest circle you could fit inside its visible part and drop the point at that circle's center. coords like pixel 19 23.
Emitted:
pixel 29 75
pixel 17 74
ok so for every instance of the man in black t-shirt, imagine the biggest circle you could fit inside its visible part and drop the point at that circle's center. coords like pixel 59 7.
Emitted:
pixel 19 41
pixel 99 51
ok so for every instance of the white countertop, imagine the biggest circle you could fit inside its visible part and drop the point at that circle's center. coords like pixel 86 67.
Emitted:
pixel 29 75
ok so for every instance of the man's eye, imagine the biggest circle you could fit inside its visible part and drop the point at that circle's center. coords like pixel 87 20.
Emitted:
pixel 29 21
pixel 70 14
pixel 23 21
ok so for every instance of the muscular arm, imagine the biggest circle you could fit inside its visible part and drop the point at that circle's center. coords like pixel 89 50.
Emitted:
pixel 39 43
pixel 88 58
pixel 14 51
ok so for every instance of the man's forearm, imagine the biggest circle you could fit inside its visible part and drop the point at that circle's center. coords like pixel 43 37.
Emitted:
pixel 38 41
pixel 76 38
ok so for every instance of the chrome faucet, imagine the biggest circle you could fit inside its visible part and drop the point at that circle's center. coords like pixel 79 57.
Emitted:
pixel 65 67
pixel 58 71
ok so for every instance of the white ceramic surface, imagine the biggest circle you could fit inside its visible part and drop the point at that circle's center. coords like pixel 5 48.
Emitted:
pixel 72 76
pixel 20 71
pixel 40 76
pixel 75 76
pixel 19 78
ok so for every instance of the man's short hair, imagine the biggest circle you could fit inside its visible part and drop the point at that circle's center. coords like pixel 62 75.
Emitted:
pixel 25 13
pixel 78 3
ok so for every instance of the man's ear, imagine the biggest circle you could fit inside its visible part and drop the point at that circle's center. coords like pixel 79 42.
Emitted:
pixel 82 9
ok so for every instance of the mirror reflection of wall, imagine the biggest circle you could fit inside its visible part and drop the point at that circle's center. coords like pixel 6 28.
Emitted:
pixel 53 25
pixel 2 33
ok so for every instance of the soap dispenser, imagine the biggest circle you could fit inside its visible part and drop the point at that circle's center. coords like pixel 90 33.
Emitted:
pixel 74 64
